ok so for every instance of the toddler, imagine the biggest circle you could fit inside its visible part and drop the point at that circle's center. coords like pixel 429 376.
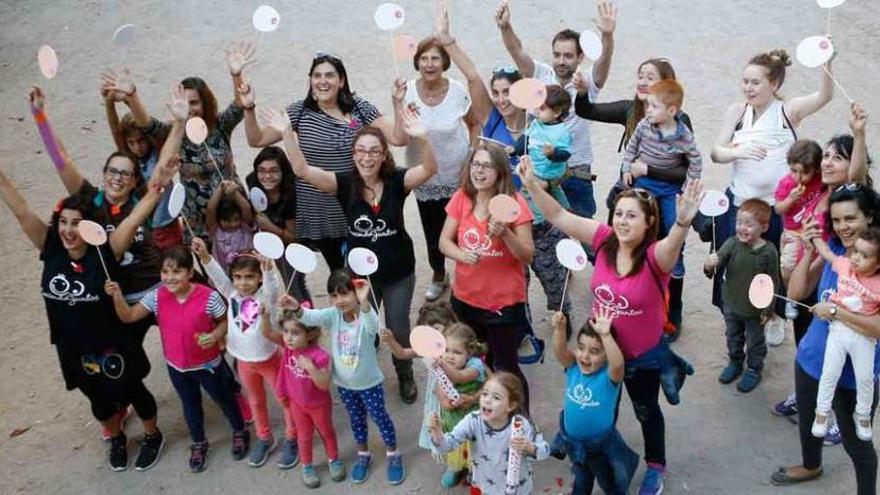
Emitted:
pixel 230 223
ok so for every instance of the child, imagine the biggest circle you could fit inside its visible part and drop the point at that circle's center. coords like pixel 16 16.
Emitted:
pixel 489 430
pixel 593 374
pixel 255 285
pixel 858 291
pixel 304 380
pixel 795 195
pixel 230 223
pixel 744 256
pixel 353 326
pixel 192 324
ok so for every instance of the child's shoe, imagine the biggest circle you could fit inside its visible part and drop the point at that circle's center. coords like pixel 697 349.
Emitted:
pixel 653 482
pixel 289 454
pixel 751 378
pixel 729 374
pixel 774 331
pixel 396 472
pixel 452 478
pixel 863 427
pixel 361 468
pixel 791 311
pixel 337 470
pixel 241 443
pixel 261 452
pixel 786 408
pixel 833 437
pixel 198 457
pixel 119 453
pixel 310 477
pixel 820 425
pixel 151 449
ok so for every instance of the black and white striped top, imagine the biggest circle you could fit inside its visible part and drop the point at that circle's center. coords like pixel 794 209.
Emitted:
pixel 326 143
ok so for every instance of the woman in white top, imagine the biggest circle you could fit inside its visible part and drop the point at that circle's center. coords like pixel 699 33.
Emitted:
pixel 755 137
pixel 445 109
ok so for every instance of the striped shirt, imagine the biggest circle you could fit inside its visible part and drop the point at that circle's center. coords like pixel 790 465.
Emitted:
pixel 581 149
pixel 649 145
pixel 215 308
pixel 326 143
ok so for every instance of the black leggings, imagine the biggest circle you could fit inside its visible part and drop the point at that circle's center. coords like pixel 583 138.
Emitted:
pixel 109 397
pixel 863 455
pixel 643 388
pixel 433 215
pixel 331 249
pixel 804 318
pixel 502 334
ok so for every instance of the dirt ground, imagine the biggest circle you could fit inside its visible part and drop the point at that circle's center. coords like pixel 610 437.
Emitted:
pixel 719 441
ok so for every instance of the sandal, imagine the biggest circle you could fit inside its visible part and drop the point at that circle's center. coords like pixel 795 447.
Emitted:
pixel 782 478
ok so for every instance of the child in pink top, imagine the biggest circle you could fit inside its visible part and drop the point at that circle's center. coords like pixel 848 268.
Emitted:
pixel 858 291
pixel 230 223
pixel 796 194
pixel 304 380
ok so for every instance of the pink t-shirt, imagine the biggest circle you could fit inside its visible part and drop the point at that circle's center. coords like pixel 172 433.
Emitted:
pixel 855 292
pixel 498 280
pixel 636 300
pixel 804 205
pixel 296 384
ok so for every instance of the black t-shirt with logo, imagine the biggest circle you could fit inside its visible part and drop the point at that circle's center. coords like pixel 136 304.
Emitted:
pixel 382 229
pixel 83 325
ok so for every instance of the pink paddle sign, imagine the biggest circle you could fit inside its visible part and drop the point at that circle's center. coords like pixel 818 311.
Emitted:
pixel 427 341
pixel 829 4
pixel 389 16
pixel 266 19
pixel 301 258
pixel 814 51
pixel 504 208
pixel 258 199
pixel 92 232
pixel 269 245
pixel 196 130
pixel 404 46
pixel 714 203
pixel 591 44
pixel 48 61
pixel 571 254
pixel 528 93
pixel 363 261
pixel 761 291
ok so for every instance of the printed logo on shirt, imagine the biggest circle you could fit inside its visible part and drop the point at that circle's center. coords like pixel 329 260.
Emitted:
pixel 856 289
pixel 348 348
pixel 365 228
pixel 619 304
pixel 62 289
pixel 127 258
pixel 806 206
pixel 295 368
pixel 473 241
pixel 582 396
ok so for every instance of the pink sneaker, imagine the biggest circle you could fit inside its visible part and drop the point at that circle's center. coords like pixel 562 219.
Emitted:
pixel 246 414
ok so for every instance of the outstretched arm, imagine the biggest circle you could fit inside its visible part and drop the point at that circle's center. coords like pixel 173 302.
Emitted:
pixel 110 99
pixel 481 101
pixel 123 84
pixel 605 23
pixel 802 107
pixel 257 137
pixel 238 56
pixel 858 168
pixel 560 345
pixel 322 179
pixel 420 174
pixel 127 313
pixel 67 170
pixel 34 228
pixel 686 208
pixel 580 228
pixel 512 43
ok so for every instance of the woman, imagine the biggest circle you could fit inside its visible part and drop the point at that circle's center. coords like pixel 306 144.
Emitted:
pixel 629 113
pixel 200 162
pixel 330 114
pixel 96 353
pixel 844 160
pixel 445 108
pixel 852 209
pixel 504 123
pixel 372 197
pixel 632 267
pixel 489 287
pixel 273 175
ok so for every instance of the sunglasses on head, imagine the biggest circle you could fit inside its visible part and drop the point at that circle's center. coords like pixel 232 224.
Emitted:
pixel 851 186
pixel 326 55
pixel 507 69
pixel 642 194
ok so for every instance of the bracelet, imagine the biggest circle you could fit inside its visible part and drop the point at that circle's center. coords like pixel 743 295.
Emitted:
pixel 250 107
pixel 682 225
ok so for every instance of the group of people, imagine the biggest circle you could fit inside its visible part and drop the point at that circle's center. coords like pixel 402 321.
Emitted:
pixel 801 212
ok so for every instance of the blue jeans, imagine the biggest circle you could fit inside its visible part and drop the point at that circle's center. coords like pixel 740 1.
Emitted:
pixel 665 193
pixel 608 460
pixel 580 196
pixel 216 382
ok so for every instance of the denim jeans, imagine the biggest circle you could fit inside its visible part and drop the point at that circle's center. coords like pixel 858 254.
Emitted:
pixel 580 196
pixel 608 460
pixel 215 381
pixel 664 193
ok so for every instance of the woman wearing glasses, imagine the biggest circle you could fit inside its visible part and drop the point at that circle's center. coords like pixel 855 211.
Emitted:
pixel 372 196
pixel 632 268
pixel 325 122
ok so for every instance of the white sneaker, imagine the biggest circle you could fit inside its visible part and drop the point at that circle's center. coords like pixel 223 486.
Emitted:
pixel 863 427
pixel 775 331
pixel 432 293
pixel 791 311
pixel 820 429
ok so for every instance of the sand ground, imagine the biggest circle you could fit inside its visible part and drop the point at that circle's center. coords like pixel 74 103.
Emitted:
pixel 719 441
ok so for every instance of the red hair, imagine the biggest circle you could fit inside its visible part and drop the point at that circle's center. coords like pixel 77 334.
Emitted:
pixel 668 91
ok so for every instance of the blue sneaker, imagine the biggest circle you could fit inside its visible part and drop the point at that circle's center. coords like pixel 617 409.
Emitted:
pixel 337 470
pixel 361 468
pixel 833 437
pixel 289 454
pixel 751 378
pixel 396 472
pixel 786 408
pixel 729 374
pixel 310 477
pixel 653 482
pixel 452 478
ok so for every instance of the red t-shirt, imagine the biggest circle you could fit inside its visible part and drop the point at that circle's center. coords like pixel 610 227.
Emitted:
pixel 803 206
pixel 498 280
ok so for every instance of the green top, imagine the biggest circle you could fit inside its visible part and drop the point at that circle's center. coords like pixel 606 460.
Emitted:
pixel 740 263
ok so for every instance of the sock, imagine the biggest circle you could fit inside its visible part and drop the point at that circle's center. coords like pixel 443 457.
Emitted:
pixel 391 453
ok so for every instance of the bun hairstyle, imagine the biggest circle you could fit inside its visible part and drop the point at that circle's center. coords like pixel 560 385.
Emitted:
pixel 775 62
pixel 464 333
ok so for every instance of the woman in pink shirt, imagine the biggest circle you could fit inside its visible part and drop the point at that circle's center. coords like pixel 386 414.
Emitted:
pixel 632 268
pixel 489 288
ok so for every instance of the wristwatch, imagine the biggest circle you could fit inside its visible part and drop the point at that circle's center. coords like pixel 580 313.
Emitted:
pixel 833 311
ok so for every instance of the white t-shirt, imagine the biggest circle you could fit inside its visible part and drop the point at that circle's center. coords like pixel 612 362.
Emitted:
pixel 581 149
pixel 448 135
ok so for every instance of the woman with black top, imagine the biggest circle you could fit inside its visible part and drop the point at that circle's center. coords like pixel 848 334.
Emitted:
pixel 629 113
pixel 372 197
pixel 97 356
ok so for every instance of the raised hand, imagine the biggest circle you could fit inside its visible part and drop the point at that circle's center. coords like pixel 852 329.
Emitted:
pixel 275 119
pixel 443 31
pixel 607 17
pixel 558 321
pixel 246 95
pixel 858 118
pixel 398 90
pixel 164 173
pixel 580 83
pixel 361 289
pixel 413 124
pixel 688 202
pixel 198 246
pixel 177 105
pixel 502 15
pixel 266 264
pixel 286 301
pixel 239 55
pixel 37 98
pixel 120 82
pixel 602 319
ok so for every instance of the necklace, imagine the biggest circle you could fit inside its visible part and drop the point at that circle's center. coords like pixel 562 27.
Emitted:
pixel 514 130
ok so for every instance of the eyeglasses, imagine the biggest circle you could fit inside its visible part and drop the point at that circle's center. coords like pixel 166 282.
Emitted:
pixel 506 69
pixel 482 166
pixel 372 153
pixel 851 186
pixel 122 174
pixel 273 171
